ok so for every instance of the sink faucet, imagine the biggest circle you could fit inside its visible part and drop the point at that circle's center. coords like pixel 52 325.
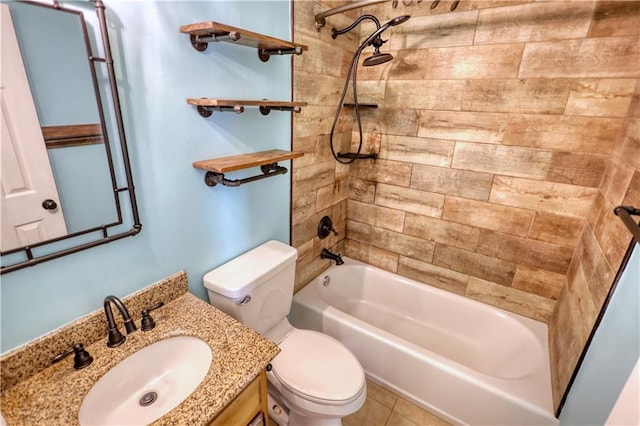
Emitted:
pixel 326 254
pixel 115 337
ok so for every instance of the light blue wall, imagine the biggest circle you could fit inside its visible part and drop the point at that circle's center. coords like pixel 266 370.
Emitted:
pixel 612 355
pixel 186 225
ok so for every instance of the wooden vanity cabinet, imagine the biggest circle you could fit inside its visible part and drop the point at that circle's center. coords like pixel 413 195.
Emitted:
pixel 246 405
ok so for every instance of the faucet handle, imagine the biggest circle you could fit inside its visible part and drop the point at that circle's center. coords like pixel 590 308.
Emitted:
pixel 147 322
pixel 81 359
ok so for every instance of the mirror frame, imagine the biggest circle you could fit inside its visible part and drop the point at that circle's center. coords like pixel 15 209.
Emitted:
pixel 103 230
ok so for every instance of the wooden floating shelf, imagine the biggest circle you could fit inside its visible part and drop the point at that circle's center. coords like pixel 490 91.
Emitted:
pixel 267 160
pixel 203 33
pixel 206 106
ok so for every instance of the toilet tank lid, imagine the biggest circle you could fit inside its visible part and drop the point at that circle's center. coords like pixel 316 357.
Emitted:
pixel 242 274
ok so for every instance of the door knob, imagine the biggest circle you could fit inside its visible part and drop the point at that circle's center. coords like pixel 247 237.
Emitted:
pixel 49 205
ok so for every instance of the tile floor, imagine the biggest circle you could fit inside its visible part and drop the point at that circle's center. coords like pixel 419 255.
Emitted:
pixel 384 408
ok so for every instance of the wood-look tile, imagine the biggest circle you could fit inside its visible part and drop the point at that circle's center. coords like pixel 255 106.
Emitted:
pixel 425 94
pixel 559 198
pixel 317 89
pixel 510 299
pixel 402 122
pixel 305 255
pixel 483 61
pixel 613 237
pixel 577 168
pixel 359 231
pixel 328 195
pixel 474 264
pixel 616 18
pixel 563 133
pixel 600 282
pixel 312 177
pixel 539 21
pixel 367 253
pixel 502 160
pixel 485 215
pixel 369 143
pixel 362 190
pixel 436 276
pixel 303 205
pixel 597 57
pixel 616 180
pixel 537 254
pixel 402 244
pixel 632 196
pixel 315 148
pixel 538 281
pixel 441 231
pixel 600 97
pixel 594 213
pixel 406 65
pixel 557 229
pixel 460 183
pixel 565 343
pixel 539 96
pixel 328 57
pixel 630 149
pixel 582 305
pixel 385 171
pixel 409 200
pixel 435 152
pixel 587 254
pixel 379 216
pixel 316 120
pixel 463 126
pixel 422 32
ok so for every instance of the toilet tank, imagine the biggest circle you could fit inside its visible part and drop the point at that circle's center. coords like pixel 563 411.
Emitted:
pixel 256 288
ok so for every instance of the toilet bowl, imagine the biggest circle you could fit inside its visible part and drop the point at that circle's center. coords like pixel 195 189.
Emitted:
pixel 314 380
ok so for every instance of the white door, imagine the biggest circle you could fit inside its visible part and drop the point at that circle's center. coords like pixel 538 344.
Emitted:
pixel 27 180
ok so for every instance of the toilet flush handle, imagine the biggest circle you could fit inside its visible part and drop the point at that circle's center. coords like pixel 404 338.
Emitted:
pixel 244 300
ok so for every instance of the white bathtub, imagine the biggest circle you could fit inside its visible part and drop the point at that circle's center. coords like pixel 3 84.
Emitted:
pixel 465 361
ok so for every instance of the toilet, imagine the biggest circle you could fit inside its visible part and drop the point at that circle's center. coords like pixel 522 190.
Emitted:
pixel 314 380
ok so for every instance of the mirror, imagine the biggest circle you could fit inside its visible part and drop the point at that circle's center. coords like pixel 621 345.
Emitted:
pixel 66 179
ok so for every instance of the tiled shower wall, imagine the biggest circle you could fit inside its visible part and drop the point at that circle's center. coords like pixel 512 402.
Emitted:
pixel 506 130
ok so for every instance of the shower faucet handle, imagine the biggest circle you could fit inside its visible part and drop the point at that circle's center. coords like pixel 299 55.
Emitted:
pixel 325 226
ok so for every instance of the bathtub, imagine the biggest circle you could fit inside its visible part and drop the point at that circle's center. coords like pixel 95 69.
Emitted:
pixel 465 361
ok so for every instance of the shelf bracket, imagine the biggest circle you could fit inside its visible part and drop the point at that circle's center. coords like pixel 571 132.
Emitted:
pixel 268 170
pixel 206 110
pixel 264 54
pixel 266 109
pixel 200 43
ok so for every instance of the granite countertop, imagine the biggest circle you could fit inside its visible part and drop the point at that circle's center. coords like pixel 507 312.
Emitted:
pixel 54 395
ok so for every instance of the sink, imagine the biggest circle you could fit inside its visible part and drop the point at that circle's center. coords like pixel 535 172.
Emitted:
pixel 148 384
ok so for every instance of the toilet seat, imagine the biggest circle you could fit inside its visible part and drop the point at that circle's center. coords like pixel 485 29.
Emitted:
pixel 318 368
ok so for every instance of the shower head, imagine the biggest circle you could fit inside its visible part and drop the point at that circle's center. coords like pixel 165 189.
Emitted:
pixel 377 58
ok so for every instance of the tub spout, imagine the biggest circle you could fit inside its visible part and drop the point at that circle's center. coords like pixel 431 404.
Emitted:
pixel 326 254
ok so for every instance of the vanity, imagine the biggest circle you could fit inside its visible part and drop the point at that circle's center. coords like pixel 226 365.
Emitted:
pixel 233 391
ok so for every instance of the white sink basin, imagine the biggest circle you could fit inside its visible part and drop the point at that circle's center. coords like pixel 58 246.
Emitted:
pixel 148 384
